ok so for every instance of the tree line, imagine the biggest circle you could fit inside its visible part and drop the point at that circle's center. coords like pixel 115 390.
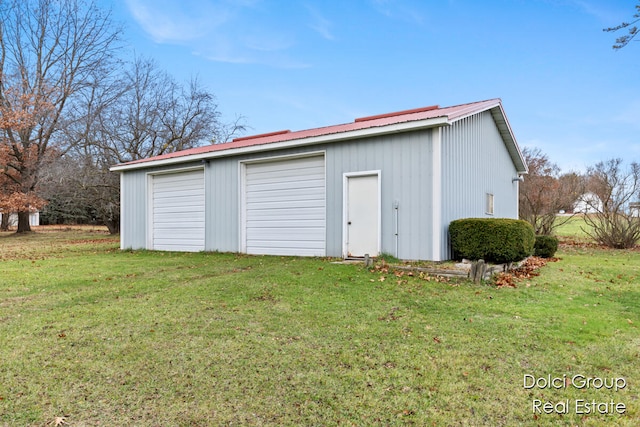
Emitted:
pixel 72 105
pixel 606 197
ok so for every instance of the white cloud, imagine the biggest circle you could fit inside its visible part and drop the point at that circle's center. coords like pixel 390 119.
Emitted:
pixel 231 31
pixel 320 24
pixel 167 21
pixel 267 42
pixel 229 51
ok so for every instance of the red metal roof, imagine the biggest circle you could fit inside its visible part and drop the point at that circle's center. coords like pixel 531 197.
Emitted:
pixel 451 114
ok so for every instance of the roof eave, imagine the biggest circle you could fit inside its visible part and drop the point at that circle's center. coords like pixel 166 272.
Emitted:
pixel 292 143
pixel 509 138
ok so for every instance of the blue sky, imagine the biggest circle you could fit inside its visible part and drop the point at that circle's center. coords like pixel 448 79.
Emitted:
pixel 304 64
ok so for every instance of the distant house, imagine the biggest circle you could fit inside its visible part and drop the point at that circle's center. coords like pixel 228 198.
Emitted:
pixel 634 209
pixel 389 183
pixel 588 203
pixel 34 219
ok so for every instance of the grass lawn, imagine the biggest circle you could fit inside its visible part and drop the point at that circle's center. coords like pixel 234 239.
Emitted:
pixel 91 335
pixel 572 227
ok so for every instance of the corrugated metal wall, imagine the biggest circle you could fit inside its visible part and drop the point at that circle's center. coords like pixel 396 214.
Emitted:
pixel 222 184
pixel 133 209
pixel 475 162
pixel 404 161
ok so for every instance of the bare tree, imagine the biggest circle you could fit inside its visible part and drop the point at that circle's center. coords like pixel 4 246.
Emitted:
pixel 154 114
pixel 140 113
pixel 631 27
pixel 225 132
pixel 613 224
pixel 49 51
pixel 545 192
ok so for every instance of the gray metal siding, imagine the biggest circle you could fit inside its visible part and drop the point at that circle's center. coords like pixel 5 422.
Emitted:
pixel 404 161
pixel 475 162
pixel 222 181
pixel 133 206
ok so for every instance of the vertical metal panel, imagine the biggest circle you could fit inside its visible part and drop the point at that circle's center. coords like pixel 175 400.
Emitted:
pixel 133 209
pixel 436 196
pixel 476 162
pixel 222 210
pixel 405 164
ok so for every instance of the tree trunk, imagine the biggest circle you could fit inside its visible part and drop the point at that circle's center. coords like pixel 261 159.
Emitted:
pixel 113 225
pixel 23 222
pixel 4 224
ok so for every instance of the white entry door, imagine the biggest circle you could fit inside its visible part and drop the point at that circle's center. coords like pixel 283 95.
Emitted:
pixel 362 215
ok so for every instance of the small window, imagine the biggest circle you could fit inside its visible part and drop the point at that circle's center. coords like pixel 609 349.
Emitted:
pixel 489 207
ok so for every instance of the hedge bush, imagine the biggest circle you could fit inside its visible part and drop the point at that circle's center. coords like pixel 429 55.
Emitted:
pixel 497 240
pixel 545 246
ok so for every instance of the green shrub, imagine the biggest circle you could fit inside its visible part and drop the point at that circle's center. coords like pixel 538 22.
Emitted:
pixel 497 240
pixel 545 246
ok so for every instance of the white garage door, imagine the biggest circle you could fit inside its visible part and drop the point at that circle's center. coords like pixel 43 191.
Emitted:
pixel 178 211
pixel 285 207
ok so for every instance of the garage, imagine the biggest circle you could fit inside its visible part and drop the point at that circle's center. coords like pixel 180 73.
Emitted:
pixel 177 211
pixel 284 207
pixel 384 184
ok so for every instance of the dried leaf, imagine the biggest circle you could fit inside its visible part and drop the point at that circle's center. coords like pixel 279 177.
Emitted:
pixel 59 421
pixel 527 270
